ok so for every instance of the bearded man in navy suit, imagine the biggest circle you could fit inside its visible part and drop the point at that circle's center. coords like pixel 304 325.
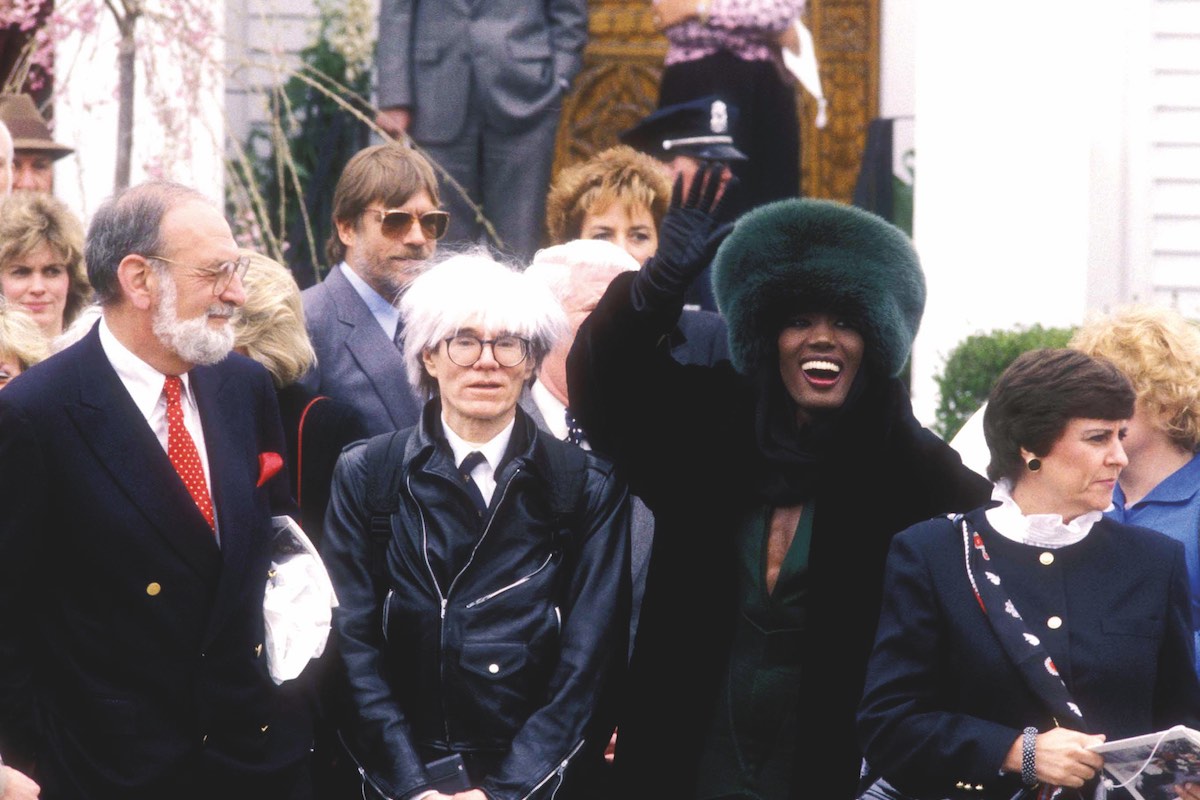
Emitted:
pixel 139 471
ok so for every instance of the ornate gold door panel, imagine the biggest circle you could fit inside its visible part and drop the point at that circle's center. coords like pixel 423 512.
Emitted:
pixel 623 61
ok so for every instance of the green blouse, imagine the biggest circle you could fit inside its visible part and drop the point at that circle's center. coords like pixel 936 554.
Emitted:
pixel 750 745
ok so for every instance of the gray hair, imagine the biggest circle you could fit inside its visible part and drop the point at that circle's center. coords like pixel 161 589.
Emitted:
pixel 128 223
pixel 554 266
pixel 474 290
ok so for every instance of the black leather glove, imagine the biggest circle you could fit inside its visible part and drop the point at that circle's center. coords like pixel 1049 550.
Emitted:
pixel 689 237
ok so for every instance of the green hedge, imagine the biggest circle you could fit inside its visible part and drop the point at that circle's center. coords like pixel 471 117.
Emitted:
pixel 975 364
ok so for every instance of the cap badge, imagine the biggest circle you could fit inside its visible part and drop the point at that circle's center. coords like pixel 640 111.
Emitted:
pixel 719 120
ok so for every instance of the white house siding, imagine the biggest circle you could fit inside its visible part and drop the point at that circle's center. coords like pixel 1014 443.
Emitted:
pixel 264 40
pixel 1059 164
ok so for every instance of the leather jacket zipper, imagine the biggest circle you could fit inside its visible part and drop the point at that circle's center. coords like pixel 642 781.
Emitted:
pixel 362 772
pixel 445 599
pixel 387 604
pixel 557 771
pixel 512 585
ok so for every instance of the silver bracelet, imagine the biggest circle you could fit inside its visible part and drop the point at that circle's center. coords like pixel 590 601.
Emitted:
pixel 1028 756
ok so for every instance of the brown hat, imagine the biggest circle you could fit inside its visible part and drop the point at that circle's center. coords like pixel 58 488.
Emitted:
pixel 28 129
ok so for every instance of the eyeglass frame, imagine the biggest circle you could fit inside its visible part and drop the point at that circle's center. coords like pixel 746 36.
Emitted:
pixel 526 349
pixel 413 218
pixel 240 266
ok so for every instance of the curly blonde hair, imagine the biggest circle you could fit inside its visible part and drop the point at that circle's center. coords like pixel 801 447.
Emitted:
pixel 618 174
pixel 27 219
pixel 1159 350
pixel 270 328
pixel 20 336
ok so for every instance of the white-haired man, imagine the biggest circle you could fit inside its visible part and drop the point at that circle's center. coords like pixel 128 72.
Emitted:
pixel 139 472
pixel 496 557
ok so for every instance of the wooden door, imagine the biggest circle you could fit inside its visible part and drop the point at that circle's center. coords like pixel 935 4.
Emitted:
pixel 623 62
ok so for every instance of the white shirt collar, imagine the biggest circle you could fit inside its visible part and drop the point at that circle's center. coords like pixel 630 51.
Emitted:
pixel 552 409
pixel 1039 530
pixel 492 450
pixel 144 382
pixel 386 314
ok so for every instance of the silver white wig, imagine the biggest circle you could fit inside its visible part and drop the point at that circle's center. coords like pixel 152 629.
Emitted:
pixel 553 265
pixel 472 290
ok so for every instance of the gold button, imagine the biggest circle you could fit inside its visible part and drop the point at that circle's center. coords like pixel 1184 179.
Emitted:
pixel 270 573
pixel 958 785
pixel 493 668
pixel 204 739
pixel 979 787
pixel 153 589
pixel 1046 558
pixel 263 729
pixel 1054 623
pixel 258 650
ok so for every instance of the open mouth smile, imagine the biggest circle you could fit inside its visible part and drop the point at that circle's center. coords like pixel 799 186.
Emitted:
pixel 821 372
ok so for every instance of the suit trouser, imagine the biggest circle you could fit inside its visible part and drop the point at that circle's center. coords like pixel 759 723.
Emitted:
pixel 506 173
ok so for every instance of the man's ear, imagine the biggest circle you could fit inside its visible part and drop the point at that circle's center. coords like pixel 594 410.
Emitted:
pixel 347 231
pixel 430 364
pixel 137 280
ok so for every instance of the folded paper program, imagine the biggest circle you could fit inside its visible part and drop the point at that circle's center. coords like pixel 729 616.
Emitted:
pixel 298 603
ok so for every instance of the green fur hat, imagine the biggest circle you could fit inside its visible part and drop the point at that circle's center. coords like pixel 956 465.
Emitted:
pixel 812 255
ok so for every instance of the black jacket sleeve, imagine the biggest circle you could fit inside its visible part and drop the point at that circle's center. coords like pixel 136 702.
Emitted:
pixel 379 736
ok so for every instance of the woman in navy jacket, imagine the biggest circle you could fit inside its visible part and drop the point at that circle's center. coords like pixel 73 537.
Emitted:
pixel 1014 639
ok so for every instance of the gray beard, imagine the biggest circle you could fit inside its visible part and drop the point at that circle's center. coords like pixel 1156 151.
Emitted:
pixel 192 340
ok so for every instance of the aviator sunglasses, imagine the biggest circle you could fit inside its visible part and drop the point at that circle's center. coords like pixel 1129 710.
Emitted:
pixel 395 223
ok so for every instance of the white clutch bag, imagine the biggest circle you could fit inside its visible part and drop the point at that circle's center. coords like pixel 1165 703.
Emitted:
pixel 298 603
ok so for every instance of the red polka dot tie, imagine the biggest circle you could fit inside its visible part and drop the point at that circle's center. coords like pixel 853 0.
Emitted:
pixel 181 449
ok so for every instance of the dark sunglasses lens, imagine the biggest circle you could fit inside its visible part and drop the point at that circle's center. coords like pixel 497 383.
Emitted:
pixel 433 224
pixel 395 223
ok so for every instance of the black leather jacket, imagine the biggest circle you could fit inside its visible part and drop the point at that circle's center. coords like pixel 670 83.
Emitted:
pixel 509 657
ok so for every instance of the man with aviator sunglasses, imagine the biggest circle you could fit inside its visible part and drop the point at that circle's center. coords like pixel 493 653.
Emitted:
pixel 387 222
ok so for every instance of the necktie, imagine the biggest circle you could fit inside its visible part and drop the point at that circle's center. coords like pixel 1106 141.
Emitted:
pixel 181 450
pixel 575 434
pixel 398 334
pixel 473 459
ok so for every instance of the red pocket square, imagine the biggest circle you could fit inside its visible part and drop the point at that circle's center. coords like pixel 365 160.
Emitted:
pixel 268 465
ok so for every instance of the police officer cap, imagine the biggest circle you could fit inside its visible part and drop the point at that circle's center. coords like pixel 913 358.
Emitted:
pixel 698 128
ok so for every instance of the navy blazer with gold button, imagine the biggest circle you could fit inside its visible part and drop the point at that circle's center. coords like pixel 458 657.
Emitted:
pixel 943 703
pixel 130 642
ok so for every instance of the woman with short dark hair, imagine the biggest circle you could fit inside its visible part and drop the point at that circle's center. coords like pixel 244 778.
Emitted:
pixel 1015 637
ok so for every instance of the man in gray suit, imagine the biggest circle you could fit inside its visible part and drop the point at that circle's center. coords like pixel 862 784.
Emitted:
pixel 479 86
pixel 386 226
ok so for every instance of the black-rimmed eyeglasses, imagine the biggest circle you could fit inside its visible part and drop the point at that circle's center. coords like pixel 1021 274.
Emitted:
pixel 465 350
pixel 221 275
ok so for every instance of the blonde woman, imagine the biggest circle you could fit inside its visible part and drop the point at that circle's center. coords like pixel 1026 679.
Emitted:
pixel 271 331
pixel 1159 351
pixel 21 342
pixel 41 260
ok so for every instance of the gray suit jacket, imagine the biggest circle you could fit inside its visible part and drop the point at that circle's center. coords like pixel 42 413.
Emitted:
pixel 520 54
pixel 357 363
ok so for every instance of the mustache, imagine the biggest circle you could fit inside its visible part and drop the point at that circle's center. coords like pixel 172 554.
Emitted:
pixel 226 310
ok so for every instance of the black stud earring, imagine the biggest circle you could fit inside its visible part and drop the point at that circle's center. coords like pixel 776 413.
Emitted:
pixel 1034 464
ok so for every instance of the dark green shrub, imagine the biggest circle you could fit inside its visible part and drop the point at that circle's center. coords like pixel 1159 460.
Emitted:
pixel 975 364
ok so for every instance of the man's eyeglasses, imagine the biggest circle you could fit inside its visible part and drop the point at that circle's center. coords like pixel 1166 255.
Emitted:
pixel 395 223
pixel 221 275
pixel 465 350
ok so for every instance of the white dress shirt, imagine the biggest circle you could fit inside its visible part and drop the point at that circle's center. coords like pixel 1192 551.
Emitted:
pixel 145 386
pixel 484 473
pixel 386 314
